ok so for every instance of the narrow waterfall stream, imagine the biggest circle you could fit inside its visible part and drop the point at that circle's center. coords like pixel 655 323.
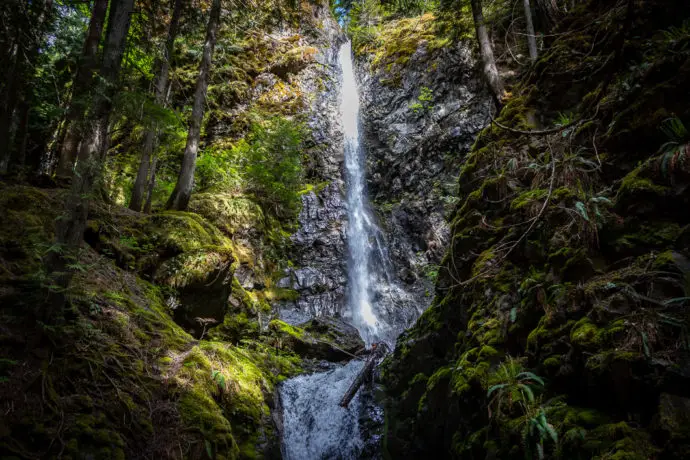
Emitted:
pixel 315 427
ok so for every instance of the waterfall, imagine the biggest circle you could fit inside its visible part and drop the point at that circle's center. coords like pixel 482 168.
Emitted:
pixel 360 227
pixel 315 427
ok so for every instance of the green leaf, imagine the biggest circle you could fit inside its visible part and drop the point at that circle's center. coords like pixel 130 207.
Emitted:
pixel 513 315
pixel 495 387
pixel 531 376
pixel 526 390
pixel 645 345
pixel 580 206
pixel 552 432
pixel 209 448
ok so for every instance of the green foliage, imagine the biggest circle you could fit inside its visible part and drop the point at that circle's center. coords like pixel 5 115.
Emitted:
pixel 431 272
pixel 512 386
pixel 218 168
pixel 536 431
pixel 423 104
pixel 273 162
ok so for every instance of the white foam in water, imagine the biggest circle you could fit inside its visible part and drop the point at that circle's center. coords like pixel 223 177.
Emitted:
pixel 315 427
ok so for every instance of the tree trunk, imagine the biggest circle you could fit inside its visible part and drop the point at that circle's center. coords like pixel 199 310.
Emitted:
pixel 19 159
pixel 150 138
pixel 151 185
pixel 23 57
pixel 7 106
pixel 486 52
pixel 549 11
pixel 531 39
pixel 80 89
pixel 183 189
pixel 378 350
pixel 70 227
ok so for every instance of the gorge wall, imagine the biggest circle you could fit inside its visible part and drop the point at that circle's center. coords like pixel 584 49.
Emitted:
pixel 559 324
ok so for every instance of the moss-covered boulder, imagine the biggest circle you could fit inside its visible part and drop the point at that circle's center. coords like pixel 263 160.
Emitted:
pixel 331 339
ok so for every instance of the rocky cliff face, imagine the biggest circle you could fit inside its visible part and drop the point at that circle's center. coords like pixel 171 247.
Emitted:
pixel 419 122
pixel 559 324
pixel 416 130
pixel 319 244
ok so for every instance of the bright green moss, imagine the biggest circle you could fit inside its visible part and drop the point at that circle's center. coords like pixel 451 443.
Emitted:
pixel 585 334
pixel 552 362
pixel 281 294
pixel 528 198
pixel 633 183
pixel 285 328
pixel 444 373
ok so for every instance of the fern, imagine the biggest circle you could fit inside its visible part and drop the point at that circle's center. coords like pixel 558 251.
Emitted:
pixel 531 376
pixel 219 378
pixel 580 206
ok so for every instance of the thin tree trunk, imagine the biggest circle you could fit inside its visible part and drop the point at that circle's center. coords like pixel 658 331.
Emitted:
pixel 19 160
pixel 70 228
pixel 150 138
pixel 489 63
pixel 80 89
pixel 531 39
pixel 183 189
pixel 151 186
pixel 7 106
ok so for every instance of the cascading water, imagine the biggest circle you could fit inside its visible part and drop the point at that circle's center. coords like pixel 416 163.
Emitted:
pixel 315 427
pixel 359 223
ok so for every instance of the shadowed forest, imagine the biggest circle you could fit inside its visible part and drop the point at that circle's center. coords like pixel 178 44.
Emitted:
pixel 205 243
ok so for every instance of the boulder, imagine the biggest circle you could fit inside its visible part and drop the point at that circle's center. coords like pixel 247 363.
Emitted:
pixel 331 339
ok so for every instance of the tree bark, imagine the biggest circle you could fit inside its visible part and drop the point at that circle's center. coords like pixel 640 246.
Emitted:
pixel 150 138
pixel 80 89
pixel 183 189
pixel 70 227
pixel 151 185
pixel 7 106
pixel 19 159
pixel 378 351
pixel 486 51
pixel 531 38
pixel 30 37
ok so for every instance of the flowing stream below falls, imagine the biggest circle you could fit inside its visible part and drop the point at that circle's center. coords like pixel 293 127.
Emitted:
pixel 314 426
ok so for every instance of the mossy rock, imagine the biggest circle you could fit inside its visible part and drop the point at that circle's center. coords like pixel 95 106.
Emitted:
pixel 321 338
pixel 230 213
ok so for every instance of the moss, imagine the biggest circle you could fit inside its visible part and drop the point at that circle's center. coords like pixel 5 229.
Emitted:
pixel 552 362
pixel 444 373
pixel 488 352
pixel 469 372
pixel 195 267
pixel 547 332
pixel 285 328
pixel 419 378
pixel 230 213
pixel 528 198
pixel 483 262
pixel 200 412
pixel 633 184
pixel 585 334
pixel 658 234
pixel 179 232
pixel 281 294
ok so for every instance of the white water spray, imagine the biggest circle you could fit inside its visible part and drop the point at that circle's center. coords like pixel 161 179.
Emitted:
pixel 359 231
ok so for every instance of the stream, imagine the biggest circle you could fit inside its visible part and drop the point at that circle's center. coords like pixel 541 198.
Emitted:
pixel 315 427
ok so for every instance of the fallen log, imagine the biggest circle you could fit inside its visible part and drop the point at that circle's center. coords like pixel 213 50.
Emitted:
pixel 377 350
